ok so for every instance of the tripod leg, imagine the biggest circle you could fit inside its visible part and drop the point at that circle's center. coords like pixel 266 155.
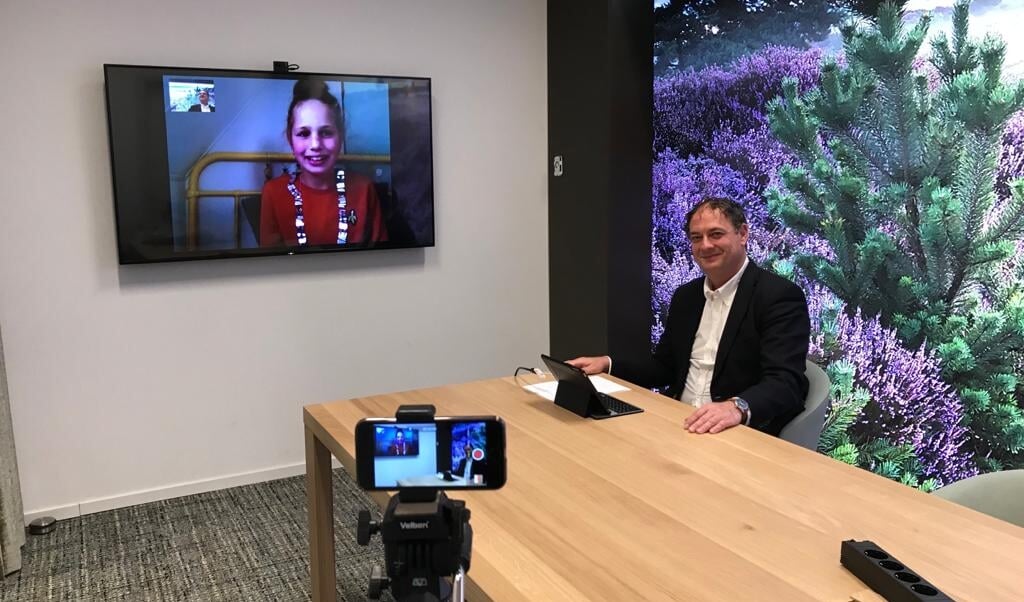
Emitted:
pixel 459 587
pixel 466 553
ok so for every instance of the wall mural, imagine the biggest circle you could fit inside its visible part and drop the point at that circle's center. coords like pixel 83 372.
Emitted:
pixel 876 148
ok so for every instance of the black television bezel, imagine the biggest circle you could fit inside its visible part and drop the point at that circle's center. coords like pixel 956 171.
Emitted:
pixel 127 255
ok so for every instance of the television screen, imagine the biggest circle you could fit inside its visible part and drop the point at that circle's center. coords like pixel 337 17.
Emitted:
pixel 397 441
pixel 227 163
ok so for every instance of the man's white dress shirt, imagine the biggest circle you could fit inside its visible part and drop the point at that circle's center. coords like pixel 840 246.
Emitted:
pixel 717 304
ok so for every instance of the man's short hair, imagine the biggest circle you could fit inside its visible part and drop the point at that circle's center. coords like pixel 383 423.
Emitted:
pixel 729 208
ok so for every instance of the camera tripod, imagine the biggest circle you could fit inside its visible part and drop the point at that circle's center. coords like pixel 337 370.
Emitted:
pixel 427 540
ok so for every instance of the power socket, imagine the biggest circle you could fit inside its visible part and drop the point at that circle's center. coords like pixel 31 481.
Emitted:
pixel 889 577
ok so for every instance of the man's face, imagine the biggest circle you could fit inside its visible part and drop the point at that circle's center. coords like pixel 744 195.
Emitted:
pixel 399 436
pixel 204 97
pixel 718 248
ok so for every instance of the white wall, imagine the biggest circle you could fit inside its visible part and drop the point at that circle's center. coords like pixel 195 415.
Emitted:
pixel 148 377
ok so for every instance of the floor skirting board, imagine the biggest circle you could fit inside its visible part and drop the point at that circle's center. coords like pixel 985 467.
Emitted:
pixel 169 492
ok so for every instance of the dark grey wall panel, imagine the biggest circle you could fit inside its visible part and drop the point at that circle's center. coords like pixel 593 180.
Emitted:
pixel 599 216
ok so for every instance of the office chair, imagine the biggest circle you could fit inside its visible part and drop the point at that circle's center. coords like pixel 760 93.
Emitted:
pixel 805 429
pixel 997 494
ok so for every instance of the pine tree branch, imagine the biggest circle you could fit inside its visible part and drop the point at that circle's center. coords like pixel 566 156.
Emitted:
pixel 901 99
pixel 914 224
pixel 874 158
pixel 974 187
pixel 1010 222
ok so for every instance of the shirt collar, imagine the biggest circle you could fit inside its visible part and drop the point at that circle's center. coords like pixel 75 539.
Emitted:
pixel 729 288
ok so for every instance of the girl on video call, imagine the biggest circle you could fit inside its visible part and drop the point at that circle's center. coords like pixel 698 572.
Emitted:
pixel 322 205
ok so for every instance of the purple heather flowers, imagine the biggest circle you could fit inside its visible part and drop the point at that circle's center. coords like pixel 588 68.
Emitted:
pixel 712 138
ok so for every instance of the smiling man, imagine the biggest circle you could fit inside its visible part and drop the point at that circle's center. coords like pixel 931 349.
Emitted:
pixel 735 340
pixel 204 105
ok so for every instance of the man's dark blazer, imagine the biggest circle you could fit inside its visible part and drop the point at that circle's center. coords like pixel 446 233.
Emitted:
pixel 478 467
pixel 199 109
pixel 761 354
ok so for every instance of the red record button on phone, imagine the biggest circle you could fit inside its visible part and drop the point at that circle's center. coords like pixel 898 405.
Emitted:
pixel 478 454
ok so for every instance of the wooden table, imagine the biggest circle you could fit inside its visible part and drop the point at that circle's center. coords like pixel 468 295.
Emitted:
pixel 635 508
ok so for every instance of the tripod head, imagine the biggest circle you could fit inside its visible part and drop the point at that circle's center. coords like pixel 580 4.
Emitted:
pixel 424 540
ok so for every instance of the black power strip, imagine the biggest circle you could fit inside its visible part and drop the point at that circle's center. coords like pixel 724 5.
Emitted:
pixel 889 577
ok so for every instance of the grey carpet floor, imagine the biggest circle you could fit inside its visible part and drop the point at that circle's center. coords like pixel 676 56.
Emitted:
pixel 243 543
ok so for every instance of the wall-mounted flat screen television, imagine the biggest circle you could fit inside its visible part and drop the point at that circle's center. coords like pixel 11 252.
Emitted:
pixel 227 163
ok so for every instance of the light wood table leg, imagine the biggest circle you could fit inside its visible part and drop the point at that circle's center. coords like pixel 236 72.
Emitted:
pixel 320 500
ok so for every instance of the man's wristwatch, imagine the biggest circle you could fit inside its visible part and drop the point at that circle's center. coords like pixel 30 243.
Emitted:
pixel 744 409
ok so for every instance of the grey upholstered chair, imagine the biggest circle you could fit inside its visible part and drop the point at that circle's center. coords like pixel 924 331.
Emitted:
pixel 998 494
pixel 805 429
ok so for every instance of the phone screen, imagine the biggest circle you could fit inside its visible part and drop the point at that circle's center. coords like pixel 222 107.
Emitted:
pixel 449 453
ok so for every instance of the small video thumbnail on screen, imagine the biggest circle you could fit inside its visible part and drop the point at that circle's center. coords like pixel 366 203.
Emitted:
pixel 469 452
pixel 192 95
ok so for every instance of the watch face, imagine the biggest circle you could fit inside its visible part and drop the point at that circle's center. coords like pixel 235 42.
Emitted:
pixel 742 405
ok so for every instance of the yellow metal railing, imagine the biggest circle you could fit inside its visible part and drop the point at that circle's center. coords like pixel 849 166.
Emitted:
pixel 193 193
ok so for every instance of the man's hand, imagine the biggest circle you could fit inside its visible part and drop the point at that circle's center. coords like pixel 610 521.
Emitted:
pixel 591 365
pixel 713 418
